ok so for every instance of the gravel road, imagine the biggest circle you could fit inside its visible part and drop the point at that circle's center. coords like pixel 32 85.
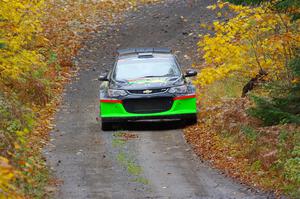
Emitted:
pixel 145 160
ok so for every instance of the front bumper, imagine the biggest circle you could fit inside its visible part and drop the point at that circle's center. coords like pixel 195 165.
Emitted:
pixel 182 108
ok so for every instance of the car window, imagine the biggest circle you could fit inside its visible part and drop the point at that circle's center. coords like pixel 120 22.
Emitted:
pixel 128 69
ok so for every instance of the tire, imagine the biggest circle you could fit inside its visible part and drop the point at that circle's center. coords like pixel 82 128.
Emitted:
pixel 106 126
pixel 190 121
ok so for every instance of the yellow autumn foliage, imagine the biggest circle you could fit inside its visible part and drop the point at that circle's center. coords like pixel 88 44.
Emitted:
pixel 256 38
pixel 19 26
pixel 7 190
pixel 38 39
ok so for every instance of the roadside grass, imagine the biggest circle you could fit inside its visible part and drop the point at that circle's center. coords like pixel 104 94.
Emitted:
pixel 265 157
pixel 220 90
pixel 40 178
pixel 249 132
pixel 255 138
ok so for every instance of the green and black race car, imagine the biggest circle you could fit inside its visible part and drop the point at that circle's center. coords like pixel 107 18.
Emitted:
pixel 146 84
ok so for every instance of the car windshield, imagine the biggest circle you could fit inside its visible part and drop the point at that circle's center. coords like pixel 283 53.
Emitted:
pixel 128 69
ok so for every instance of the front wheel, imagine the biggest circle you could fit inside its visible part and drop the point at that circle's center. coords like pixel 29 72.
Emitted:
pixel 106 126
pixel 190 121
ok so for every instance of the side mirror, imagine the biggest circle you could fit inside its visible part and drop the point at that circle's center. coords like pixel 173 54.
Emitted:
pixel 103 77
pixel 190 73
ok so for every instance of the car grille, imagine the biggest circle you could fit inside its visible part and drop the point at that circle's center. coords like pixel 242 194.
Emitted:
pixel 148 105
pixel 148 91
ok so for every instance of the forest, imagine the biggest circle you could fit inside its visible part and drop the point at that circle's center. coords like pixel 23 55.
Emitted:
pixel 250 92
pixel 248 87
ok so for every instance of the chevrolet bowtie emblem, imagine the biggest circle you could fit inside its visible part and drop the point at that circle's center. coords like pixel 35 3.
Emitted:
pixel 147 91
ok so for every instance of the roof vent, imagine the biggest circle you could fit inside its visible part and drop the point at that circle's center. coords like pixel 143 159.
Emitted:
pixel 145 55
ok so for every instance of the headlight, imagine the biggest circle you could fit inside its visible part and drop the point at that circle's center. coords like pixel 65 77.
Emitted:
pixel 116 93
pixel 178 89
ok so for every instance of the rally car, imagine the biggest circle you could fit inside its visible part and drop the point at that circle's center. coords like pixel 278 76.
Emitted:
pixel 146 84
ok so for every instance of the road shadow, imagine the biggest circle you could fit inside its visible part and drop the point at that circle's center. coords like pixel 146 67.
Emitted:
pixel 150 125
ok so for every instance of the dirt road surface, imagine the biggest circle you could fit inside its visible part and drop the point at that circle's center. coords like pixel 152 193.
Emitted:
pixel 149 160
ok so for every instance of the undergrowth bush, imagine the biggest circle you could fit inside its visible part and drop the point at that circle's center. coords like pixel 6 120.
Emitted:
pixel 280 109
pixel 229 88
pixel 16 120
pixel 257 139
pixel 38 41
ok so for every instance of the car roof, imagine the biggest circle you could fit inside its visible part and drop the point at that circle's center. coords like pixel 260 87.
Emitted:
pixel 122 52
pixel 149 54
pixel 149 57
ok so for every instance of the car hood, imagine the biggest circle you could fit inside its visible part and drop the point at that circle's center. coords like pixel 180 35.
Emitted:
pixel 148 83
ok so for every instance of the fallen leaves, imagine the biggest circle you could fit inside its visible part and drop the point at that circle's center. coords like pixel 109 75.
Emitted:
pixel 41 57
pixel 7 175
pixel 126 135
pixel 218 138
